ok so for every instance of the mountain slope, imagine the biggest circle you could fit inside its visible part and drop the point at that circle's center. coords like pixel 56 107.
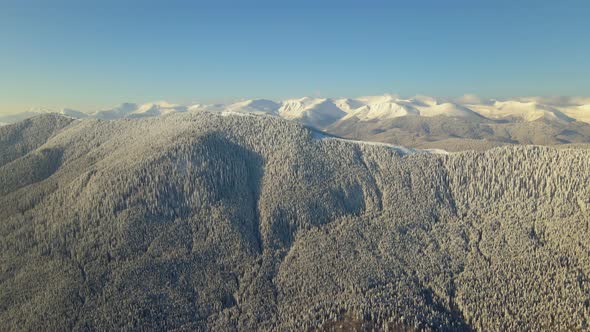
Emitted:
pixel 315 112
pixel 17 140
pixel 460 133
pixel 209 222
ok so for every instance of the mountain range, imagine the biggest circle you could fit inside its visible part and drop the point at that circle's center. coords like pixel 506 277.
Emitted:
pixel 462 123
pixel 223 221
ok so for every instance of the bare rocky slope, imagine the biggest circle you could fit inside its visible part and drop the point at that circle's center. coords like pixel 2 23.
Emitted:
pixel 209 222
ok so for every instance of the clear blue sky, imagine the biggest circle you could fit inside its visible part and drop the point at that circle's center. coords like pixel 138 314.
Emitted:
pixel 92 54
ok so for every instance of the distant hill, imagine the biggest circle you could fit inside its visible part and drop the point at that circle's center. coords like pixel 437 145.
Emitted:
pixel 225 221
pixel 456 133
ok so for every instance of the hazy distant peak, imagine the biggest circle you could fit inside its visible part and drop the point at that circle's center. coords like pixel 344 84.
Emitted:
pixel 424 100
pixel 557 101
pixel 526 110
pixel 255 106
pixel 73 113
pixel 378 99
pixel 469 99
pixel 158 108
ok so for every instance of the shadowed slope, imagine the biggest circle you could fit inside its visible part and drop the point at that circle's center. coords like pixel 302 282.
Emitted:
pixel 18 139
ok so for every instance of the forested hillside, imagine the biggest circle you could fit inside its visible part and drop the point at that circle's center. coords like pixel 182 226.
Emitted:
pixel 198 221
pixel 19 139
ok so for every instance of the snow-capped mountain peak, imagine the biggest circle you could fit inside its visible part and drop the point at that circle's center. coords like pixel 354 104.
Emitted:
pixel 312 111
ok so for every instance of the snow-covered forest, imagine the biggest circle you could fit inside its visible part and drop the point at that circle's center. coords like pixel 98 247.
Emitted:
pixel 202 221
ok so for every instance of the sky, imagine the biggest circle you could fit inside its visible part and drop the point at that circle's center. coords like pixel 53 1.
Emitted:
pixel 91 55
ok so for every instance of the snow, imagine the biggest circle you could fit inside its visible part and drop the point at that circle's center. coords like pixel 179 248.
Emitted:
pixel 580 113
pixel 158 108
pixel 297 108
pixel 321 112
pixel 390 106
pixel 348 105
pixel 524 110
pixel 207 107
pixel 382 111
pixel 404 151
pixel 315 111
pixel 255 106
pixel 119 111
pixel 232 113
pixel 138 111
pixel 446 109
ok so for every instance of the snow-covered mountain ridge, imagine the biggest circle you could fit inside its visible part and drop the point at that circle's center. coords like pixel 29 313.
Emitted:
pixel 419 122
pixel 321 112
